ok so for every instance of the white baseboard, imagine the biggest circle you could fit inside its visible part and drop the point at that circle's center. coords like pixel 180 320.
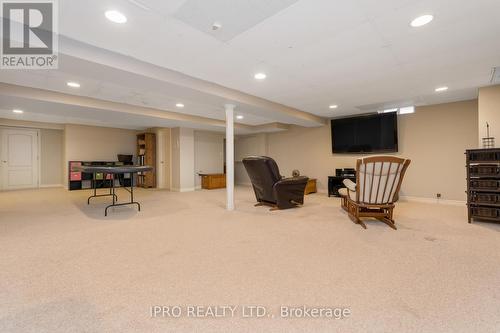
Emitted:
pixel 402 198
pixel 186 189
pixel 51 186
pixel 432 200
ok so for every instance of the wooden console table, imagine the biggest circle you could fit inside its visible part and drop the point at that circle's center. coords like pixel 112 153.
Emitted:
pixel 212 181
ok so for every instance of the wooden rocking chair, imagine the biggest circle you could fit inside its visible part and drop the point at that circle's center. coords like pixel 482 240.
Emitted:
pixel 378 181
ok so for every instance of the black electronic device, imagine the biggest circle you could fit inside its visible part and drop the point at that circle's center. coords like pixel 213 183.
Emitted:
pixel 373 133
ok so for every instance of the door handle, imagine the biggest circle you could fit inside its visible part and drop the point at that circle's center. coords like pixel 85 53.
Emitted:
pixel 4 161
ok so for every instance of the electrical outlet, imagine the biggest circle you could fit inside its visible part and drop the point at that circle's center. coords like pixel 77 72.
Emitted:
pixel 438 195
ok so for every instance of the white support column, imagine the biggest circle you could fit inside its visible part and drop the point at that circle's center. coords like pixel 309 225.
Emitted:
pixel 229 156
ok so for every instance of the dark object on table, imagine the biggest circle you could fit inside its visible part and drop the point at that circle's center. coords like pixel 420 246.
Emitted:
pixel 376 189
pixel 483 184
pixel 112 171
pixel 346 172
pixel 270 187
pixel 349 172
pixel 126 159
pixel 295 173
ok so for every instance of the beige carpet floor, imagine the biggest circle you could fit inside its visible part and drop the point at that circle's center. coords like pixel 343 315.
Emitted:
pixel 64 267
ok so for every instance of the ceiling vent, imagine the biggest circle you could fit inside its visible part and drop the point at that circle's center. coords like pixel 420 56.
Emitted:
pixel 495 76
pixel 236 16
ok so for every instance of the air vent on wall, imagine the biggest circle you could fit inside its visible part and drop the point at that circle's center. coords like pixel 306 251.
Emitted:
pixel 495 76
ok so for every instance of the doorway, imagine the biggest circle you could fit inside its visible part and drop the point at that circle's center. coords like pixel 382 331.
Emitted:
pixel 19 158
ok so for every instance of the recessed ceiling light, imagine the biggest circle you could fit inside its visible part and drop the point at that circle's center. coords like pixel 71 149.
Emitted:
pixel 441 89
pixel 179 105
pixel 115 16
pixel 334 106
pixel 260 76
pixel 239 117
pixel 421 20
pixel 18 111
pixel 73 84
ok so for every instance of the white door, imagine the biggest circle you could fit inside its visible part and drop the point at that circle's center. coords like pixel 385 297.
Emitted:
pixel 19 158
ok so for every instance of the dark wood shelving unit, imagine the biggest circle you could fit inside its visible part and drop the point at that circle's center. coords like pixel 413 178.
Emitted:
pixel 483 184
pixel 146 155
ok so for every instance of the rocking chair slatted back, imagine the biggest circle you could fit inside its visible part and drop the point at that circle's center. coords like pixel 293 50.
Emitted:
pixel 379 179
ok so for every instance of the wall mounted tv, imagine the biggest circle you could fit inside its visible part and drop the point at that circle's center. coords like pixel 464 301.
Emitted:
pixel 377 133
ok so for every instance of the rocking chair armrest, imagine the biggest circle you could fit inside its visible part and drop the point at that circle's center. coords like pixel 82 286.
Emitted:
pixel 351 186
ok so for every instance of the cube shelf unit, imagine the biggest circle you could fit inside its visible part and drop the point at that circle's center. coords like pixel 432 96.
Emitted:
pixel 483 184
pixel 80 181
pixel 146 155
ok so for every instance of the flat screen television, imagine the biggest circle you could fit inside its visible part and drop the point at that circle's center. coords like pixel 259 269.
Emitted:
pixel 377 133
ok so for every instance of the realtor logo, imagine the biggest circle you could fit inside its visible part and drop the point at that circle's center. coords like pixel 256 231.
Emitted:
pixel 29 34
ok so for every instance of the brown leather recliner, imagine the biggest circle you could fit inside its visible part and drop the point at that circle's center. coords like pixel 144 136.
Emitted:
pixel 270 187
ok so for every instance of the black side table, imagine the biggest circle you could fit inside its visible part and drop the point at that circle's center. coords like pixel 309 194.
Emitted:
pixel 336 183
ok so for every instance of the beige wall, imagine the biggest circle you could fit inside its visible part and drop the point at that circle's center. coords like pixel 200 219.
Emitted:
pixel 489 111
pixel 175 181
pixel 89 143
pixel 247 145
pixel 51 157
pixel 434 137
pixel 182 143
pixel 208 154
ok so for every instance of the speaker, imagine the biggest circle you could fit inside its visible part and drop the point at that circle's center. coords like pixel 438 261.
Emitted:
pixel 338 172
pixel 349 172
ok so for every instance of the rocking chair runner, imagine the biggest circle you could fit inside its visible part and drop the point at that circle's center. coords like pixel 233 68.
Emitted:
pixel 378 181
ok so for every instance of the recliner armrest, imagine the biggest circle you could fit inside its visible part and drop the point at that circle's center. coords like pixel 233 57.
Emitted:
pixel 292 180
pixel 290 191
pixel 351 186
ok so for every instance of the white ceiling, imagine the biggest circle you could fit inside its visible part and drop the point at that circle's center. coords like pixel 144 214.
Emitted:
pixel 315 52
pixel 102 82
pixel 232 17
pixel 359 54
pixel 67 113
